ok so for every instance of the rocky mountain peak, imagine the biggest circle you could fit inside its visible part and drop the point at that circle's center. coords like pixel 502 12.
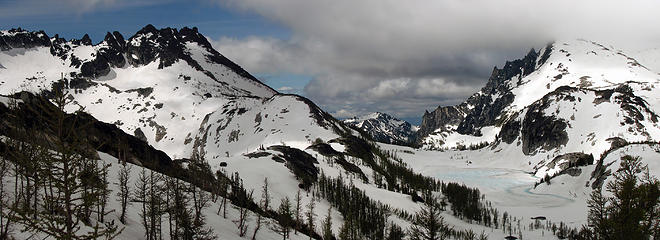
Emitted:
pixel 482 108
pixel 165 47
pixel 544 104
pixel 147 29
pixel 19 38
pixel 170 45
pixel 115 40
pixel 518 68
pixel 383 127
pixel 84 41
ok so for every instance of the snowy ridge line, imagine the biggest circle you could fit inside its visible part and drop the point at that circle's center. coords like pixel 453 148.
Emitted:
pixel 382 127
pixel 563 86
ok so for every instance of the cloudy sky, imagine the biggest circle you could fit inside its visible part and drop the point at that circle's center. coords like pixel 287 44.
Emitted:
pixel 353 57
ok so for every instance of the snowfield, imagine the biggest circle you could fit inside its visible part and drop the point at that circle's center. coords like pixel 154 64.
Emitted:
pixel 223 228
pixel 512 189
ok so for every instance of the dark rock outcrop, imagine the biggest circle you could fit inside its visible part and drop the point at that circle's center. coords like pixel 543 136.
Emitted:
pixel 485 107
pixel 167 46
pixel 300 163
pixel 327 151
pixel 324 149
pixel 139 134
pixel 36 115
pixel 510 131
pixel 569 160
pixel 95 68
pixel 19 38
pixel 439 119
pixel 541 131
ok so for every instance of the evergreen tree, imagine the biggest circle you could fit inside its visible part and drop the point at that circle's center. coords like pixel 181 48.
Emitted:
pixel 141 196
pixel 349 230
pixel 200 201
pixel 124 194
pixel 633 211
pixel 310 216
pixel 327 226
pixel 598 213
pixel 428 224
pixel 65 181
pixel 265 204
pixel 297 212
pixel 243 212
pixel 6 216
pixel 285 218
pixel 395 232
pixel 103 193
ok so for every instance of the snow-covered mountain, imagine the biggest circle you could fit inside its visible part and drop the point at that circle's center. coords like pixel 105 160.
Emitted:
pixel 171 89
pixel 384 128
pixel 157 84
pixel 569 97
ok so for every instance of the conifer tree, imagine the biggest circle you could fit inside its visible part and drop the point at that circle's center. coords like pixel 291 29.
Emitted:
pixel 285 216
pixel 264 205
pixel 428 224
pixel 349 230
pixel 633 211
pixel 243 212
pixel 124 193
pixel 395 232
pixel 297 212
pixel 327 226
pixel 63 203
pixel 310 216
pixel 141 196
pixel 6 216
pixel 198 229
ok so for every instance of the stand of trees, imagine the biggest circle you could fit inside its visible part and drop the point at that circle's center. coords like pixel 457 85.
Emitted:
pixel 363 216
pixel 59 190
pixel 633 210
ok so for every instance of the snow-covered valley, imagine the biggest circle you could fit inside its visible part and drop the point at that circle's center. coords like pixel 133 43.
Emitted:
pixel 514 190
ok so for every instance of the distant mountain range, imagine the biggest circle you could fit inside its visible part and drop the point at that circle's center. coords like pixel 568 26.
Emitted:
pixel 384 128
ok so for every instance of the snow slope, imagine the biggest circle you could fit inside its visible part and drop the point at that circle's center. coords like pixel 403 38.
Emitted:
pixel 224 228
pixel 573 96
pixel 164 103
pixel 513 190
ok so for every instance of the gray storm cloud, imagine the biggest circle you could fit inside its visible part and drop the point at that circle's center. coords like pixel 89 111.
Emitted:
pixel 403 57
pixel 400 57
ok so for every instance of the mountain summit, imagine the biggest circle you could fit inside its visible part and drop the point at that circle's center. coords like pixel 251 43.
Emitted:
pixel 158 84
pixel 170 89
pixel 575 96
pixel 384 128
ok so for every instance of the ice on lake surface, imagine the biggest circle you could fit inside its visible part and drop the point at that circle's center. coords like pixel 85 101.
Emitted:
pixel 513 191
pixel 508 189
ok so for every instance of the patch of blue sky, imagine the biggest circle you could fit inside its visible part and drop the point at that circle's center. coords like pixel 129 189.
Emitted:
pixel 285 82
pixel 212 20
